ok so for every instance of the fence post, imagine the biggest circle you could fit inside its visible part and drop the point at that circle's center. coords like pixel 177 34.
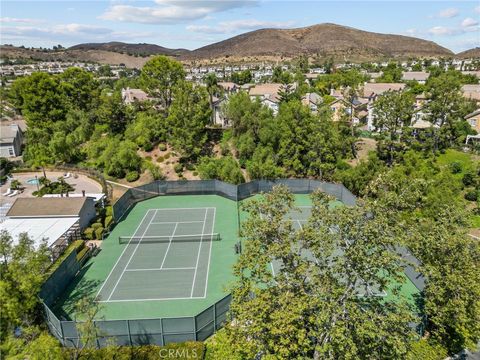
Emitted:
pixel 215 316
pixel 129 334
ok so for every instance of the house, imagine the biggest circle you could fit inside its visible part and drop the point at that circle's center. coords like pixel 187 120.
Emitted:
pixel 474 120
pixel 419 76
pixel 472 92
pixel 219 118
pixel 11 140
pixel 229 87
pixel 59 220
pixel 268 94
pixel 371 91
pixel 130 96
pixel 312 100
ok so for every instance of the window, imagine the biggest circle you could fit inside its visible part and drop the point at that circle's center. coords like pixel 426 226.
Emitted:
pixel 10 151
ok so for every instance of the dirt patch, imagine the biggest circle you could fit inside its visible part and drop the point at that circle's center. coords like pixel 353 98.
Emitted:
pixel 364 146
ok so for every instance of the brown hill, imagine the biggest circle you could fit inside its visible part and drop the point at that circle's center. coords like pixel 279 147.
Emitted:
pixel 130 49
pixel 469 54
pixel 323 39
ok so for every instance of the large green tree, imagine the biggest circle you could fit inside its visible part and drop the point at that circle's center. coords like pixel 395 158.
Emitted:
pixel 318 303
pixel 159 77
pixel 188 116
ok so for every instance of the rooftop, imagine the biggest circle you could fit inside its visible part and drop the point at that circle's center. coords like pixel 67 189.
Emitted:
pixel 46 207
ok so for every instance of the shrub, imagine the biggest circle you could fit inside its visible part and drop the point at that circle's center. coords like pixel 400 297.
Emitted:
pixel 96 225
pixel 132 176
pixel 99 233
pixel 471 195
pixel 149 158
pixel 456 167
pixel 109 211
pixel 160 159
pixel 88 232
pixel 190 167
pixel 162 147
pixel 148 146
pixel 108 220
pixel 167 156
pixel 195 173
pixel 178 168
pixel 468 179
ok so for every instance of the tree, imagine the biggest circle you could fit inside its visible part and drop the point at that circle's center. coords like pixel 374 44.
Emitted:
pixel 446 107
pixel 224 168
pixel 211 83
pixel 189 114
pixel 316 306
pixel 80 88
pixel 391 74
pixel 392 113
pixel 160 75
pixel 242 77
pixel 23 269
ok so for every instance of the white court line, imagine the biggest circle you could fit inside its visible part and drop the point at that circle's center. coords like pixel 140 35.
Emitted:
pixel 210 252
pixel 169 244
pixel 299 223
pixel 160 299
pixel 198 254
pixel 176 222
pixel 197 208
pixel 131 256
pixel 158 269
pixel 121 255
pixel 273 271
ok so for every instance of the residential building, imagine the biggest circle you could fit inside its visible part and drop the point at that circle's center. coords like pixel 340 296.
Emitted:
pixel 472 92
pixel 11 140
pixel 474 120
pixel 419 76
pixel 130 96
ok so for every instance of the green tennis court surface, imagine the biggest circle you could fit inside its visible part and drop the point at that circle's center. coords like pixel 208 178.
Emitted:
pixel 167 264
pixel 166 258
pixel 162 260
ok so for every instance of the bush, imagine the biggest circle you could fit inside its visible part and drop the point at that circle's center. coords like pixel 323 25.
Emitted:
pixel 96 225
pixel 456 167
pixel 471 195
pixel 162 147
pixel 132 176
pixel 148 158
pixel 468 179
pixel 195 173
pixel 89 233
pixel 178 168
pixel 108 220
pixel 190 167
pixel 99 233
pixel 148 146
pixel 160 159
pixel 167 156
pixel 109 211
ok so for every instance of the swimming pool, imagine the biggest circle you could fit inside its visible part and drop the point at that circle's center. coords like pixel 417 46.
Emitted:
pixel 33 181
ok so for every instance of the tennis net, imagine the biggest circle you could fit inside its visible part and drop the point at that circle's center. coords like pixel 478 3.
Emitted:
pixel 166 238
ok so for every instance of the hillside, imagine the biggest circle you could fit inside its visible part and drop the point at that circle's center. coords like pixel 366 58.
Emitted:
pixel 470 54
pixel 130 49
pixel 324 39
pixel 95 56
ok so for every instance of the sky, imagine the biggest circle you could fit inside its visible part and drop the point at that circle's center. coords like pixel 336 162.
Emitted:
pixel 196 23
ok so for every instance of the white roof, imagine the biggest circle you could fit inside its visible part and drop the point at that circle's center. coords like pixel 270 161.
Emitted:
pixel 38 229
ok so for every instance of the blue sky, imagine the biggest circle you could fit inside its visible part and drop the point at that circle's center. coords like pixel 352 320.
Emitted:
pixel 192 24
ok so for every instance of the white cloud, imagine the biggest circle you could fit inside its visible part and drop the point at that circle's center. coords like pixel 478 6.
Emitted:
pixel 226 27
pixel 443 30
pixel 69 32
pixel 20 20
pixel 448 13
pixel 411 32
pixel 477 9
pixel 171 11
pixel 469 22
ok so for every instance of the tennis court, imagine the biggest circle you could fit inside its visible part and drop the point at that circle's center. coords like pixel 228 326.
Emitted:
pixel 166 258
